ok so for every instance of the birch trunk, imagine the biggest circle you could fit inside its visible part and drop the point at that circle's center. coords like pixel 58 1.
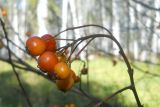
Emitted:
pixel 64 21
pixel 116 27
pixel 75 16
pixel 156 36
pixel 42 14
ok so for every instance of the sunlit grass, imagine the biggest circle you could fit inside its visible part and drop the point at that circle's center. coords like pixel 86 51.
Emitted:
pixel 104 79
pixel 101 70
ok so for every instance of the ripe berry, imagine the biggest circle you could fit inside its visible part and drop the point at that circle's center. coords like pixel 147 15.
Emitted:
pixel 65 84
pixel 47 61
pixel 35 46
pixel 75 78
pixel 50 41
pixel 62 70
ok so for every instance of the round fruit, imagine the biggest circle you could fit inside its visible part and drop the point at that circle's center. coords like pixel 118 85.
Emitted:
pixel 62 70
pixel 47 61
pixel 50 41
pixel 35 46
pixel 65 84
pixel 84 71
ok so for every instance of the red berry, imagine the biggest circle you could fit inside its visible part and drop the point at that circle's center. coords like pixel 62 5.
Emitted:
pixel 50 41
pixel 47 61
pixel 35 45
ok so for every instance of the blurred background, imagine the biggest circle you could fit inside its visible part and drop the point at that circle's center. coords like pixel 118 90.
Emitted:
pixel 134 23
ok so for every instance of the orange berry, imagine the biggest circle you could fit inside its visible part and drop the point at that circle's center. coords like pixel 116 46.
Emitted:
pixel 65 84
pixel 47 61
pixel 35 46
pixel 62 70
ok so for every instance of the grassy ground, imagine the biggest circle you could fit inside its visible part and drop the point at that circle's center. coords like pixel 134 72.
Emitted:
pixel 104 80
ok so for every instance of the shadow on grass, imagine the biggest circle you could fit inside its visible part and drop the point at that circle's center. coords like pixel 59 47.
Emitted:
pixel 10 94
pixel 45 94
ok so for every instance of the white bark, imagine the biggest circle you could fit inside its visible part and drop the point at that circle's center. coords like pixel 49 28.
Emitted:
pixel 14 24
pixel 134 45
pixel 42 13
pixel 105 42
pixel 64 21
pixel 17 23
pixel 157 18
pixel 156 40
pixel 116 26
pixel 77 22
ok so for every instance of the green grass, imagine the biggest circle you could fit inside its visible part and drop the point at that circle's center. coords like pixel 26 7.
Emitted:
pixel 104 79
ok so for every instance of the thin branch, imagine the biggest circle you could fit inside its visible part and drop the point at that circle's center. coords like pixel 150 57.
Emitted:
pixel 16 33
pixel 133 65
pixel 78 27
pixel 143 71
pixel 146 5
pixel 73 49
pixel 112 95
pixel 8 61
pixel 84 47
pixel 13 67
pixel 17 46
pixel 130 70
pixel 27 68
pixel 65 39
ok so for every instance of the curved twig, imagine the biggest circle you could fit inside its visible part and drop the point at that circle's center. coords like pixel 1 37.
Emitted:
pixel 112 95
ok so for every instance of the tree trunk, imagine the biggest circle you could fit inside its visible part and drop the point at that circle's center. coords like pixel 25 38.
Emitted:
pixel 42 13
pixel 128 29
pixel 75 16
pixel 116 27
pixel 64 21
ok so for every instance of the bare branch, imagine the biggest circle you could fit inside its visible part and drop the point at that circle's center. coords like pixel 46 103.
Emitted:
pixel 13 67
pixel 112 95
pixel 146 6
pixel 84 47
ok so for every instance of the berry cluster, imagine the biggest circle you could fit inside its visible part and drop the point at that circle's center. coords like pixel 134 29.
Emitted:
pixel 52 62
